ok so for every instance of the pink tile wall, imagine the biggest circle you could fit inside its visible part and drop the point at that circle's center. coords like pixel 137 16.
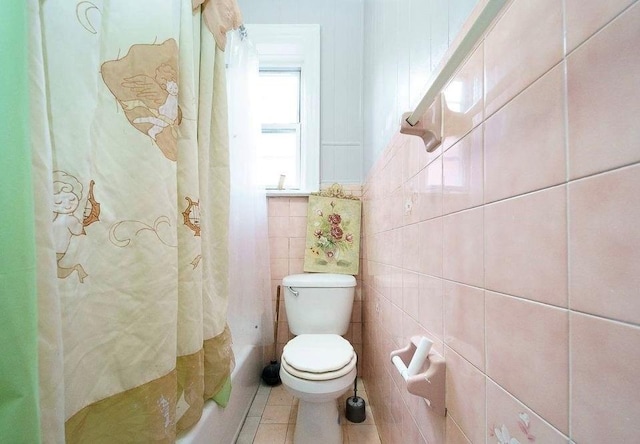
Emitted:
pixel 515 246
pixel 287 231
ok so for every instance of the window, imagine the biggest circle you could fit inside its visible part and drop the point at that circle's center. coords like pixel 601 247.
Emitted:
pixel 280 117
pixel 289 91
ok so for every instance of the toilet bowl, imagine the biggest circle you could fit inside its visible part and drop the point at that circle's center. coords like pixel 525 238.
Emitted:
pixel 318 369
pixel 318 365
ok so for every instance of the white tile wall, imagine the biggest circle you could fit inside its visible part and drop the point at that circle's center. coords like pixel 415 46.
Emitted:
pixel 341 33
pixel 405 41
pixel 386 74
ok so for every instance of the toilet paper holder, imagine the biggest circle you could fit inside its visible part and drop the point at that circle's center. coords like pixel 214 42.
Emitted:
pixel 425 374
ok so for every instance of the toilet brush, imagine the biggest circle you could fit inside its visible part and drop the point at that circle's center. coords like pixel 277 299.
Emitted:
pixel 355 410
pixel 271 373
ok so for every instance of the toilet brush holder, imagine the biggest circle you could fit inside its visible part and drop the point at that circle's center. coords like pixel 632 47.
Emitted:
pixel 355 409
pixel 425 374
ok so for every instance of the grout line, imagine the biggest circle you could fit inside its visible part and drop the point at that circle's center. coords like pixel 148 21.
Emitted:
pixel 604 318
pixel 600 29
pixel 565 86
pixel 569 378
pixel 521 298
pixel 606 171
pixel 459 428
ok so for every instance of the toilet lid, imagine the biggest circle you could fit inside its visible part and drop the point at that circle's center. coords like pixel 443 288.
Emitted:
pixel 318 353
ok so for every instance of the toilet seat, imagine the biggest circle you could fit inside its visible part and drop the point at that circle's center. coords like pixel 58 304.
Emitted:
pixel 319 376
pixel 318 357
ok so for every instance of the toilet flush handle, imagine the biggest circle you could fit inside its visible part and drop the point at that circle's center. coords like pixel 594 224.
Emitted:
pixel 295 293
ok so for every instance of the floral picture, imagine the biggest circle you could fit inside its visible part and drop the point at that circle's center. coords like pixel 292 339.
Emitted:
pixel 333 235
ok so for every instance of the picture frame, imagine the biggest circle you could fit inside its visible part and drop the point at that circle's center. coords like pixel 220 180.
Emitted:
pixel 333 235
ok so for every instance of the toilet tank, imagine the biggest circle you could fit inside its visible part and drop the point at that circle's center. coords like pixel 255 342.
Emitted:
pixel 318 302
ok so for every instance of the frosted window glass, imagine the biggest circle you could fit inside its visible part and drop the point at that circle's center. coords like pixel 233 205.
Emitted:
pixel 279 150
pixel 279 96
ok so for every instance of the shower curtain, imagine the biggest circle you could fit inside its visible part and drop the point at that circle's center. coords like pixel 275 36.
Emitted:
pixel 130 172
pixel 249 268
pixel 18 307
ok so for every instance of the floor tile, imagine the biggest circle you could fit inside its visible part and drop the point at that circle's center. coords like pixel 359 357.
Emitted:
pixel 259 402
pixel 279 396
pixel 249 429
pixel 272 418
pixel 271 434
pixel 290 431
pixel 276 414
pixel 362 434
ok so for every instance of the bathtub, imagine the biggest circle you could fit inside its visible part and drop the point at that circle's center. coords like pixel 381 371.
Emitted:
pixel 222 425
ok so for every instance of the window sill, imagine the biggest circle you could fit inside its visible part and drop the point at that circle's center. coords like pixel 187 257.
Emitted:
pixel 288 193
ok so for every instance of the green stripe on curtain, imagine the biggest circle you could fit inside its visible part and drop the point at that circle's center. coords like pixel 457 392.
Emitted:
pixel 19 415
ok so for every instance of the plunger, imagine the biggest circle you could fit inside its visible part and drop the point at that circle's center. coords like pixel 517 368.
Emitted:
pixel 271 373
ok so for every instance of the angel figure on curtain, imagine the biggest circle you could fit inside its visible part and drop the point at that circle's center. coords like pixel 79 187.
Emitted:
pixel 67 193
pixel 144 86
pixel 145 83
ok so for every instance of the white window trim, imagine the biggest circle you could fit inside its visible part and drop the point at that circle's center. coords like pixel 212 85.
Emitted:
pixel 297 46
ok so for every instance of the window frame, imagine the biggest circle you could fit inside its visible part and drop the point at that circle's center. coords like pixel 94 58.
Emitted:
pixel 297 47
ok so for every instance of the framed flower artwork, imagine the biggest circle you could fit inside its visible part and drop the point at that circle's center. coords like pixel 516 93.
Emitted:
pixel 333 235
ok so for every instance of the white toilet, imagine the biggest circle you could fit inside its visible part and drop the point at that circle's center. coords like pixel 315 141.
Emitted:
pixel 318 365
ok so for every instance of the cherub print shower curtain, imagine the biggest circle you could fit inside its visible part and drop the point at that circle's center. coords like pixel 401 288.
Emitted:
pixel 130 172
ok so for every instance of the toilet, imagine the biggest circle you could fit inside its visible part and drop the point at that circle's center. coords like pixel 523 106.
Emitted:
pixel 318 365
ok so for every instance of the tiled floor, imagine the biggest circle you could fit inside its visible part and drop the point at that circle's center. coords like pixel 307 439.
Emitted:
pixel 272 419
